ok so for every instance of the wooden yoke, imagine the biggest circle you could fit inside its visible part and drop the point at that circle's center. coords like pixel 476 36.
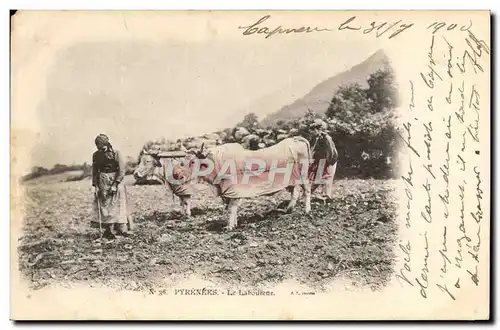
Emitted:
pixel 171 154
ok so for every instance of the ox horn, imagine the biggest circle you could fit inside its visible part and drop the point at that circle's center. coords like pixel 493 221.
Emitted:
pixel 200 152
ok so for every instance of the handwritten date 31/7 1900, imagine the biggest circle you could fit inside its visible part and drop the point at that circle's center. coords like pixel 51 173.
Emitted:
pixel 389 29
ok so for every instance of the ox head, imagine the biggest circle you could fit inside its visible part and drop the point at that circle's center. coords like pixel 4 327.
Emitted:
pixel 149 162
pixel 197 163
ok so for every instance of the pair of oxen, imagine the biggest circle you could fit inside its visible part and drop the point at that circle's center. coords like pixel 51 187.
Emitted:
pixel 238 173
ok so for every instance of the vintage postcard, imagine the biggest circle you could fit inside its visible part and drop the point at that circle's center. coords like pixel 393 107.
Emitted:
pixel 250 165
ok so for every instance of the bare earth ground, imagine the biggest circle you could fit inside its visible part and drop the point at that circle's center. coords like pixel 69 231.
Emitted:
pixel 351 237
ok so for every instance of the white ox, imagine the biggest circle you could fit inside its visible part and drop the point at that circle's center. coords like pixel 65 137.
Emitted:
pixel 239 173
pixel 292 156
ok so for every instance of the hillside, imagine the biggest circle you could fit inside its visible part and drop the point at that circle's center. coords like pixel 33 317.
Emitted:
pixel 53 178
pixel 319 97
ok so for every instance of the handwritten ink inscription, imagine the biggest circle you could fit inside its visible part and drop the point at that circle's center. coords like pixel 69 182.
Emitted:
pixel 259 28
pixel 441 139
pixel 379 28
pixel 266 27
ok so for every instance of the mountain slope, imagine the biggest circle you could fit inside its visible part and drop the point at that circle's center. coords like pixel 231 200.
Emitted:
pixel 318 99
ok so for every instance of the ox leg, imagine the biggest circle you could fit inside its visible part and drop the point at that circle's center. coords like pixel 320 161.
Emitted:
pixel 307 196
pixel 225 201
pixel 186 205
pixel 233 212
pixel 295 197
pixel 329 187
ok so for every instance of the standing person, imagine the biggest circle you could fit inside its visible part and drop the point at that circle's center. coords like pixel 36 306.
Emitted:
pixel 323 148
pixel 108 171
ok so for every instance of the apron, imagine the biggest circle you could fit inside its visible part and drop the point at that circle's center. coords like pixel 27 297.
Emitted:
pixel 112 206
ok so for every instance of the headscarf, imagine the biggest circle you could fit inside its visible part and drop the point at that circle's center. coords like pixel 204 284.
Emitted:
pixel 103 139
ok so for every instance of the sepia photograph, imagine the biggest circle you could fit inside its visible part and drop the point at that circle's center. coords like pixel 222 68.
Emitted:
pixel 280 155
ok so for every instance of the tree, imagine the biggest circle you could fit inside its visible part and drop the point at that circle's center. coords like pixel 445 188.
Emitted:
pixel 250 121
pixel 382 90
pixel 349 104
pixel 361 122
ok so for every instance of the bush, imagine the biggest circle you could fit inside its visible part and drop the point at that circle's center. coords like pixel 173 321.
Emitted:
pixel 130 165
pixel 36 172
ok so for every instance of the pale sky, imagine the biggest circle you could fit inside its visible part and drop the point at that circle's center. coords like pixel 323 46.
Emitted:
pixel 136 91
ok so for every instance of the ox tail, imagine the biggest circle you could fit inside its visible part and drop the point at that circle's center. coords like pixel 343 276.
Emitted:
pixel 303 139
pixel 309 152
pixel 333 155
